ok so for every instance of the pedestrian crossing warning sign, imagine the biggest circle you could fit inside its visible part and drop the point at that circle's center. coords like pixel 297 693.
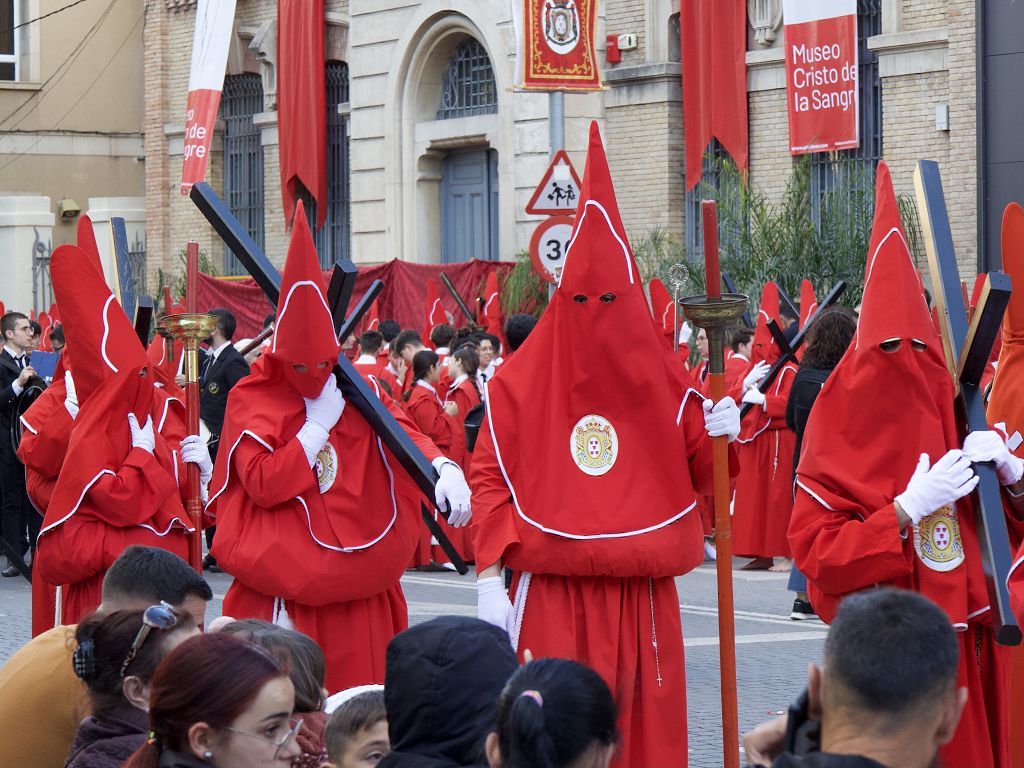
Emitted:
pixel 559 190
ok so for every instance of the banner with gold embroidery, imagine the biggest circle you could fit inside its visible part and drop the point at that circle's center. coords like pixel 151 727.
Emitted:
pixel 556 45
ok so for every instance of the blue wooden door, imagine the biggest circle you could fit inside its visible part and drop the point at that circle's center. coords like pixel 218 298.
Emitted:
pixel 469 206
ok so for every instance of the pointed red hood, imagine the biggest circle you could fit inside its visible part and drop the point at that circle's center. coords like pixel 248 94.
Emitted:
pixel 584 417
pixel 304 330
pixel 103 341
pixel 662 307
pixel 808 302
pixel 493 319
pixel 1006 403
pixel 372 320
pixel 764 347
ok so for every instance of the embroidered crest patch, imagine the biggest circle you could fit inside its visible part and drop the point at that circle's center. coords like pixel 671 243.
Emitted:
pixel 594 445
pixel 326 467
pixel 937 540
pixel 213 387
pixel 561 22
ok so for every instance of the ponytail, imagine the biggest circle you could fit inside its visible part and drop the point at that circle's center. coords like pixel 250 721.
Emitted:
pixel 470 362
pixel 529 743
pixel 551 712
pixel 146 756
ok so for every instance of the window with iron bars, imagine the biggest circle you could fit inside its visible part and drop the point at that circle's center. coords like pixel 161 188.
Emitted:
pixel 706 188
pixel 469 87
pixel 241 100
pixel 854 169
pixel 333 239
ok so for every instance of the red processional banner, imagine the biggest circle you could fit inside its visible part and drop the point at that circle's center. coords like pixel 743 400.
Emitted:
pixel 214 19
pixel 821 75
pixel 556 45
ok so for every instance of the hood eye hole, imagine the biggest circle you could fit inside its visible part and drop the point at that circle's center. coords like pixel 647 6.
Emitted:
pixel 580 298
pixel 608 298
pixel 917 345
pixel 890 345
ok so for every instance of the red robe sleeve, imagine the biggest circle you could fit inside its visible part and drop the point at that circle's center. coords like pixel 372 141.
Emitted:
pixel 129 497
pixel 431 421
pixel 701 452
pixel 429 448
pixel 493 525
pixel 43 451
pixel 271 478
pixel 840 552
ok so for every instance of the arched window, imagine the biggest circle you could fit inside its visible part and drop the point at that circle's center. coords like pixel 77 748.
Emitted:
pixel 241 100
pixel 468 87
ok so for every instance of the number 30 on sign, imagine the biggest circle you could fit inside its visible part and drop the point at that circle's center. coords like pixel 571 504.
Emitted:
pixel 548 246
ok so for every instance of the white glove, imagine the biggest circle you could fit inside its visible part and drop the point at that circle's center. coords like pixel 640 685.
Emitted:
pixel 71 399
pixel 722 419
pixel 685 332
pixel 951 478
pixel 989 446
pixel 758 372
pixel 325 409
pixel 194 451
pixel 142 437
pixel 313 438
pixel 492 603
pixel 754 396
pixel 451 488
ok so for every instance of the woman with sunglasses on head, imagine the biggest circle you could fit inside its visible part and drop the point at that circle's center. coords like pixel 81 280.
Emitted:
pixel 116 657
pixel 219 702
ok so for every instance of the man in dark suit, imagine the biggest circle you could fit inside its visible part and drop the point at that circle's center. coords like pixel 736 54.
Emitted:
pixel 19 523
pixel 224 367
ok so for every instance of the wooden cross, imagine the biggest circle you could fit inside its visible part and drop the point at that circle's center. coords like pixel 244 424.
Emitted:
pixel 139 309
pixel 967 349
pixel 352 385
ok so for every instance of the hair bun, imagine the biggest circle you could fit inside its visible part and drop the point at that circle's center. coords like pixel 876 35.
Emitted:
pixel 84 660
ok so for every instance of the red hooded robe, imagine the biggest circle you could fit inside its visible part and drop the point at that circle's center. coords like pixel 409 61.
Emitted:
pixel 109 494
pixel 324 545
pixel 587 491
pixel 764 494
pixel 877 413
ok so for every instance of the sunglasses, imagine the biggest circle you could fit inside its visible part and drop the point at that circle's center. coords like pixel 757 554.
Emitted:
pixel 160 616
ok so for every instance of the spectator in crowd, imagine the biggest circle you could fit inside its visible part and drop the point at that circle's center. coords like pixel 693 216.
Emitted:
pixel 41 700
pixel 453 667
pixel 405 346
pixel 57 339
pixel 370 345
pixel 887 696
pixel 460 398
pixel 389 329
pixel 37 336
pixel 441 337
pixel 16 514
pixel 116 657
pixel 827 341
pixel 490 346
pixel 554 713
pixel 517 328
pixel 219 701
pixel 222 368
pixel 357 732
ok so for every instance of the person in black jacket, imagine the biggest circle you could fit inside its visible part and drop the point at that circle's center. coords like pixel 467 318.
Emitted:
pixel 19 523
pixel 442 680
pixel 223 368
pixel 827 341
pixel 887 696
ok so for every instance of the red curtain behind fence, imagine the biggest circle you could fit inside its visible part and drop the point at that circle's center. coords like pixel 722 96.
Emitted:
pixel 403 298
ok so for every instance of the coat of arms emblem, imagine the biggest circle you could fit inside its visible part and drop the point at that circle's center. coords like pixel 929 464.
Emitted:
pixel 594 445
pixel 937 540
pixel 561 23
pixel 326 467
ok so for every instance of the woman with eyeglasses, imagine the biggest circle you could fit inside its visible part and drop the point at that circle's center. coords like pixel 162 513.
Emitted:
pixel 218 701
pixel 116 657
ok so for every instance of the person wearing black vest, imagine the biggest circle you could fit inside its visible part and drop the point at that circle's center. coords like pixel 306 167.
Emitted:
pixel 19 523
pixel 223 367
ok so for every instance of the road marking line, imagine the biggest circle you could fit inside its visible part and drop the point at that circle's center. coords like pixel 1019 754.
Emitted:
pixel 780 637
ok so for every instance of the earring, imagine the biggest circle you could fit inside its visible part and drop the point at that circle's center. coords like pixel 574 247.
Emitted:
pixel 207 755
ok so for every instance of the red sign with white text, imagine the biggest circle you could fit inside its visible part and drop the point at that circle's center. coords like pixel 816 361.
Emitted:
pixel 821 75
pixel 214 20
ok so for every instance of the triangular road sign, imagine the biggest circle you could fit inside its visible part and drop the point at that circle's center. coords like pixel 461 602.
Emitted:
pixel 559 190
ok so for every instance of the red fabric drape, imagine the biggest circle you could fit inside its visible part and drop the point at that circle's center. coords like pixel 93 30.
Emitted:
pixel 302 103
pixel 714 48
pixel 403 298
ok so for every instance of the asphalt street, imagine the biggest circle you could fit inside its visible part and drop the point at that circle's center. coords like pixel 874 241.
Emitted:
pixel 772 651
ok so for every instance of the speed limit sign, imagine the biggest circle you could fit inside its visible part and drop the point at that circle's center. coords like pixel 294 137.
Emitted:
pixel 549 244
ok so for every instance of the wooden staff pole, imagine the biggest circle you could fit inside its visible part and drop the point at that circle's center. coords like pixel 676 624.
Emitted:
pixel 195 501
pixel 715 313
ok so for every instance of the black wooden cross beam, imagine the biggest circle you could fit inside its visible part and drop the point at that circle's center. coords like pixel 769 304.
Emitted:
pixel 339 292
pixel 361 308
pixel 966 347
pixel 730 286
pixel 352 385
pixel 144 310
pixel 792 347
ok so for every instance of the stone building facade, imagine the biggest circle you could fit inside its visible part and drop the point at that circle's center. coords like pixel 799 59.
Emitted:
pixel 441 155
